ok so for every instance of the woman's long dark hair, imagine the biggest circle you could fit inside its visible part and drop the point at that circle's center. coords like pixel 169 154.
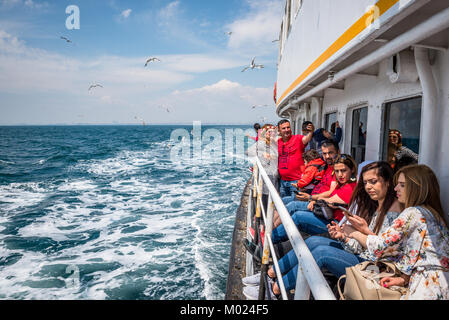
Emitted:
pixel 366 207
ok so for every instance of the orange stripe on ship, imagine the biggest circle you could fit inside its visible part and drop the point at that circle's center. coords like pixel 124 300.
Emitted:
pixel 351 33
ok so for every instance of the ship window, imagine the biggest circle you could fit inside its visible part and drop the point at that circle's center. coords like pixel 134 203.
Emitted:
pixel 358 134
pixel 329 119
pixel 402 123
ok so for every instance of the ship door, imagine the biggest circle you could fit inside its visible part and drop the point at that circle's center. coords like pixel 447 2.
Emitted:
pixel 358 133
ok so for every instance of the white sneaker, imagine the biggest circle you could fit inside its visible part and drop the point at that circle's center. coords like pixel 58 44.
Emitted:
pixel 252 292
pixel 252 281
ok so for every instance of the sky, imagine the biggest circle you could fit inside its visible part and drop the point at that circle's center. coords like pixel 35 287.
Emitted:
pixel 44 79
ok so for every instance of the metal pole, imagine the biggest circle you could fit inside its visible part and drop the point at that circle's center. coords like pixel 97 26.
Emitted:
pixel 266 247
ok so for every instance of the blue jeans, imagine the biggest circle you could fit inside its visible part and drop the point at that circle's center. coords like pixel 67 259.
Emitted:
pixel 327 253
pixel 286 188
pixel 330 254
pixel 306 221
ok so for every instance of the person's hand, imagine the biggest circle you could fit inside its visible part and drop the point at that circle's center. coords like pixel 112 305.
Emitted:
pixel 348 230
pixel 295 185
pixel 302 196
pixel 310 127
pixel 310 205
pixel 335 231
pixel 359 224
pixel 392 281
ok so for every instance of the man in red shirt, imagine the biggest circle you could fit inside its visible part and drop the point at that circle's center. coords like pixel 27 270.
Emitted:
pixel 300 201
pixel 291 163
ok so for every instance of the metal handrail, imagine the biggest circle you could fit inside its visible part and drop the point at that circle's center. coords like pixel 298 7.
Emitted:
pixel 308 270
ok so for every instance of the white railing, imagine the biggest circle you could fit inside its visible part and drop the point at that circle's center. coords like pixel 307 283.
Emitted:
pixel 310 277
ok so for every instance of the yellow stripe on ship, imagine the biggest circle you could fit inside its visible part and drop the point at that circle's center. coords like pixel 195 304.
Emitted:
pixel 351 33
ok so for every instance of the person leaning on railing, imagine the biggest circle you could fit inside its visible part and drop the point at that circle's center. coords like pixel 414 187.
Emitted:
pixel 419 237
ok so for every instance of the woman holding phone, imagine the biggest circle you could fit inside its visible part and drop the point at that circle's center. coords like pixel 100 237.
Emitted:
pixel 373 205
pixel 417 241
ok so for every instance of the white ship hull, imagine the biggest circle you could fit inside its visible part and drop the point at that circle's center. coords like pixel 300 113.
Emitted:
pixel 381 63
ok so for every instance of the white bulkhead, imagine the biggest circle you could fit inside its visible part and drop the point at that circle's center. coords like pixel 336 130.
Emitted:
pixel 372 66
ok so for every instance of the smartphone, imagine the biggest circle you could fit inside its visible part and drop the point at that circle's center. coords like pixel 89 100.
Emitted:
pixel 349 214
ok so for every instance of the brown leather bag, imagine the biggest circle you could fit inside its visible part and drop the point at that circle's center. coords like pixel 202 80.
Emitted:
pixel 362 282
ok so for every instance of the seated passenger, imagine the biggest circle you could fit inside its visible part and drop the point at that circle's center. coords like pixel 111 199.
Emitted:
pixel 419 237
pixel 313 171
pixel 374 201
pixel 307 221
pixel 330 151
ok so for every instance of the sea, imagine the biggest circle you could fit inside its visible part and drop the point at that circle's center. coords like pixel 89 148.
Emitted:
pixel 119 212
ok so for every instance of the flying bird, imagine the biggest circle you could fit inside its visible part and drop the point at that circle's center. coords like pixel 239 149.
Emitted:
pixel 260 105
pixel 95 86
pixel 151 60
pixel 253 65
pixel 139 119
pixel 229 33
pixel 165 108
pixel 66 39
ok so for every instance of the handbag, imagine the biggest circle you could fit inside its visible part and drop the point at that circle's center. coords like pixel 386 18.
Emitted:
pixel 362 282
pixel 322 210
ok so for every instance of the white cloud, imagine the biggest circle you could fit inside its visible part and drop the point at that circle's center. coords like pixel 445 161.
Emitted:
pixel 27 3
pixel 126 13
pixel 167 14
pixel 254 32
pixel 224 101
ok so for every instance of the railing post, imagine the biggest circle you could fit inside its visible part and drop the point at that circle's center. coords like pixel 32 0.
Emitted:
pixel 302 289
pixel 266 248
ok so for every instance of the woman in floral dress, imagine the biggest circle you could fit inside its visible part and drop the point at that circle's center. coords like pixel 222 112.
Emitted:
pixel 417 241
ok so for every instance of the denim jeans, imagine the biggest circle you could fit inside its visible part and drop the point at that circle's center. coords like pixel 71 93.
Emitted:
pixel 286 188
pixel 330 254
pixel 327 253
pixel 306 221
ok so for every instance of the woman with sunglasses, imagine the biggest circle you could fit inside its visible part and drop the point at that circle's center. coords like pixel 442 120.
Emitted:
pixel 417 241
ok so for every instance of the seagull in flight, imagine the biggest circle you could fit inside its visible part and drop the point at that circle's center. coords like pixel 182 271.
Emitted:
pixel 94 86
pixel 165 108
pixel 151 60
pixel 260 105
pixel 66 39
pixel 229 33
pixel 253 65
